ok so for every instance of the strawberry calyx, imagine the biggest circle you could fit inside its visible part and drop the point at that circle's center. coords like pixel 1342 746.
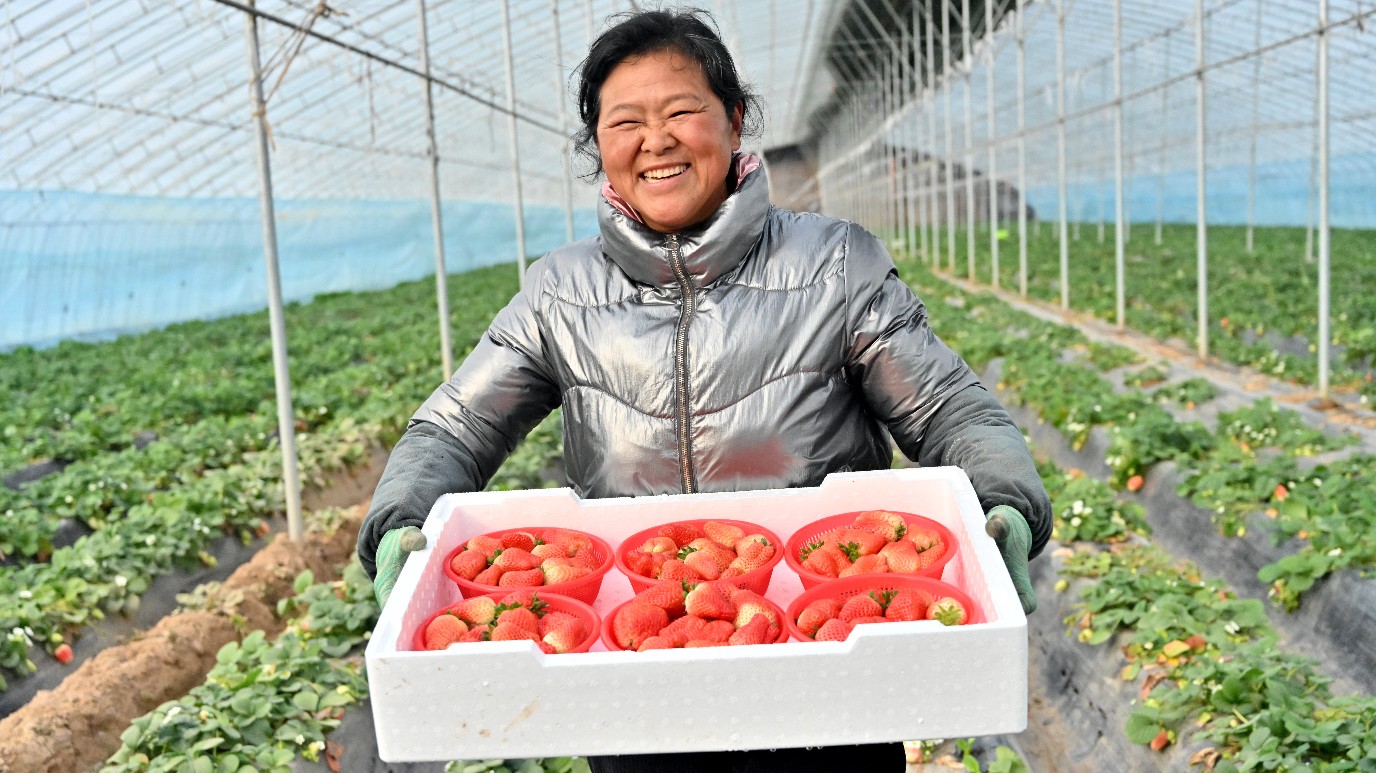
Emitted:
pixel 851 549
pixel 883 597
pixel 808 548
pixel 685 551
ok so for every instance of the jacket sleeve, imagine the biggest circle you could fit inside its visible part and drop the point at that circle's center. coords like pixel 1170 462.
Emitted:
pixel 464 431
pixel 927 396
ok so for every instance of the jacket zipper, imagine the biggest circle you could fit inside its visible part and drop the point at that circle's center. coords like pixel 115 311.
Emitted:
pixel 685 443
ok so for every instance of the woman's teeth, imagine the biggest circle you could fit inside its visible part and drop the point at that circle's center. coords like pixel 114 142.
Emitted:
pixel 660 174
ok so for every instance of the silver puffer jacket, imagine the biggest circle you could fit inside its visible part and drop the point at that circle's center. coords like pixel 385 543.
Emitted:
pixel 761 349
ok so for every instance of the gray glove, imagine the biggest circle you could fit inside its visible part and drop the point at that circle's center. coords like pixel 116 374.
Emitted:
pixel 392 551
pixel 1014 537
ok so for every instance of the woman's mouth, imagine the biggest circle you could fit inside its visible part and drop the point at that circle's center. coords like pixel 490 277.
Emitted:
pixel 664 173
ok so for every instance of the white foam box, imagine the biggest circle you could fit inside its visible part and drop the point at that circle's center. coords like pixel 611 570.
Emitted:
pixel 890 682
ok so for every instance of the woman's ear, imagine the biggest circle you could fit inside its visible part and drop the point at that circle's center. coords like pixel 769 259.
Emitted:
pixel 737 118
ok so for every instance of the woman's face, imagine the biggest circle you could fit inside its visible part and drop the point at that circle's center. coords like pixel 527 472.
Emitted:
pixel 666 140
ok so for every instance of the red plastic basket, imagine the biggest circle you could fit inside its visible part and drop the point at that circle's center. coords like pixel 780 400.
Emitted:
pixel 757 580
pixel 584 589
pixel 556 603
pixel 807 533
pixel 610 642
pixel 855 585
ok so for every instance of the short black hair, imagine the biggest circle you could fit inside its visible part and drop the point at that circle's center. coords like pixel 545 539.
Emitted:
pixel 691 32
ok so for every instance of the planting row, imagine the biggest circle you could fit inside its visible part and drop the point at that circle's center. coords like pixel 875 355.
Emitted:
pixel 1263 303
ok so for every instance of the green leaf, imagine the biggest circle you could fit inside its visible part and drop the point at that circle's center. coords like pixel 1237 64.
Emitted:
pixel 306 700
pixel 303 581
pixel 1140 729
pixel 202 765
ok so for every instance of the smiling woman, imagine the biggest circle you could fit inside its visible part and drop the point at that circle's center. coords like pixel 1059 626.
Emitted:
pixel 706 341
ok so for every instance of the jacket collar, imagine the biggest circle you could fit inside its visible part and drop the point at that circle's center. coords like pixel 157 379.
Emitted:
pixel 709 250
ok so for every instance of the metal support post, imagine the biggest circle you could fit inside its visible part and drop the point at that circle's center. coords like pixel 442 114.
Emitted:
pixel 934 164
pixel 518 199
pixel 1201 185
pixel 1325 246
pixel 950 143
pixel 1119 224
pixel 1165 140
pixel 1252 151
pixel 992 173
pixel 968 65
pixel 436 211
pixel 564 161
pixel 286 420
pixel 1060 152
pixel 1022 152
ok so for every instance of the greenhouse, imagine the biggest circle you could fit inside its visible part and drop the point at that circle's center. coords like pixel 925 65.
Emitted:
pixel 244 242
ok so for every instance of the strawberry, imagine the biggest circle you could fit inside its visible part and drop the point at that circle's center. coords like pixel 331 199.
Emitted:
pixel 586 558
pixel 862 605
pixel 683 630
pixel 901 557
pixel 1135 483
pixel 905 605
pixel 529 578
pixel 868 619
pixel 476 633
pixel 441 632
pixel 63 653
pixel 489 576
pixel 815 614
pixel 665 594
pixel 546 647
pixel 572 541
pixel 741 543
pixel 520 616
pixel 923 538
pixel 723 534
pixel 756 553
pixel 523 598
pixel 756 631
pixel 552 620
pixel 565 635
pixel 477 611
pixel 827 561
pixel 718 631
pixel 485 545
pixel 931 555
pixel 655 643
pixel 867 542
pixel 512 632
pixel 948 611
pixel 703 643
pixel 870 564
pixel 468 563
pixel 703 563
pixel 549 550
pixel 559 574
pixel 833 630
pixel 659 545
pixel 748 604
pixel 890 526
pixel 520 539
pixel 711 601
pixel 636 622
pixel 515 560
pixel 680 533
pixel 674 569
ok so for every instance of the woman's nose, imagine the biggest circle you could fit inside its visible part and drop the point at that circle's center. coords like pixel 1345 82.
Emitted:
pixel 657 137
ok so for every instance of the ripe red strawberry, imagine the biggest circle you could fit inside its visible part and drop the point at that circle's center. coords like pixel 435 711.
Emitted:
pixel 748 604
pixel 680 533
pixel 571 540
pixel 901 557
pixel 931 555
pixel 512 632
pixel 63 653
pixel 552 620
pixel 703 563
pixel 867 542
pixel 524 598
pixel 659 545
pixel 476 633
pixel 557 574
pixel 515 560
pixel 756 553
pixel 655 643
pixel 890 526
pixel 468 563
pixel 665 594
pixel 905 605
pixel 923 538
pixel 741 543
pixel 756 631
pixel 529 578
pixel 520 616
pixel 723 556
pixel 870 564
pixel 489 576
pixel 636 622
pixel 674 569
pixel 815 614
pixel 862 605
pixel 441 632
pixel 723 534
pixel 711 601
pixel 485 545
pixel 683 630
pixel 718 630
pixel 549 550
pixel 520 539
pixel 586 558
pixel 1135 483
pixel 476 611
pixel 823 563
pixel 948 611
pixel 833 630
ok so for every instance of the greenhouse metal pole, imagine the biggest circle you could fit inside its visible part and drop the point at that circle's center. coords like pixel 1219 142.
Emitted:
pixel 1119 237
pixel 950 133
pixel 1324 225
pixel 1060 152
pixel 515 144
pixel 933 167
pixel 286 422
pixel 436 211
pixel 992 174
pixel 1165 141
pixel 968 65
pixel 564 160
pixel 1022 152
pixel 1202 226
pixel 1252 154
